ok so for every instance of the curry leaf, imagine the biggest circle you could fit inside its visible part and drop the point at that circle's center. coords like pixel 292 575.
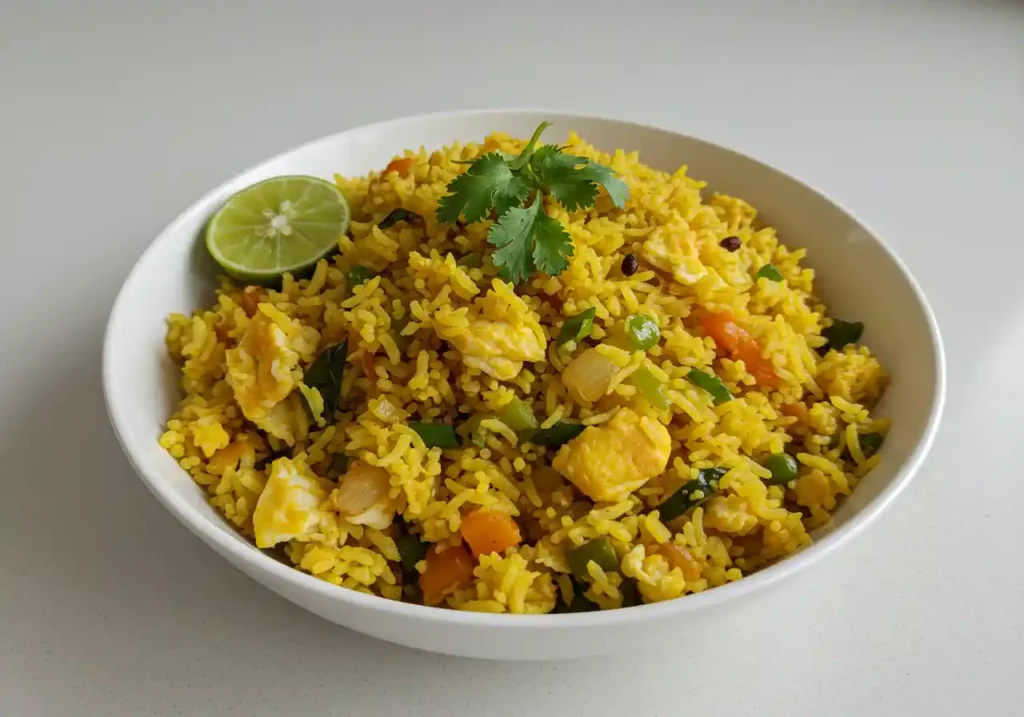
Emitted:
pixel 398 215
pixel 324 374
pixel 487 184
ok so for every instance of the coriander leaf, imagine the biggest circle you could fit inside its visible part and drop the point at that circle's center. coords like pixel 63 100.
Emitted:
pixel 573 180
pixel 513 235
pixel 489 183
pixel 514 194
pixel 527 152
pixel 605 176
pixel 529 239
pixel 552 245
pixel 559 174
pixel 526 238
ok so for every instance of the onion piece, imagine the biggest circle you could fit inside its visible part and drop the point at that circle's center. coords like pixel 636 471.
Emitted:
pixel 361 488
pixel 589 376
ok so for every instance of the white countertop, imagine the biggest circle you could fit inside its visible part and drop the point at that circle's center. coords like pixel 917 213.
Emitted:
pixel 115 119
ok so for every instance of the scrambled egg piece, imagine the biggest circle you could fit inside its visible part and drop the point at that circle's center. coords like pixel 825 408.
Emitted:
pixel 289 506
pixel 656 578
pixel 260 369
pixel 610 461
pixel 209 436
pixel 729 514
pixel 287 420
pixel 674 251
pixel 240 453
pixel 499 348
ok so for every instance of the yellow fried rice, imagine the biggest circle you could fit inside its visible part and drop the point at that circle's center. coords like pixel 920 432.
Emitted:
pixel 415 333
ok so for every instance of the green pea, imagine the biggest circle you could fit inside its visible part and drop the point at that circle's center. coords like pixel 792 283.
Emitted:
pixel 436 435
pixel 710 383
pixel 578 327
pixel 358 274
pixel 783 467
pixel 642 331
pixel 599 550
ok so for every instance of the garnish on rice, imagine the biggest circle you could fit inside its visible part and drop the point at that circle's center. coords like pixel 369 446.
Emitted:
pixel 512 190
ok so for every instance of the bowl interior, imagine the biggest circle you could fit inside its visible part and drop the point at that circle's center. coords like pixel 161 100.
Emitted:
pixel 856 274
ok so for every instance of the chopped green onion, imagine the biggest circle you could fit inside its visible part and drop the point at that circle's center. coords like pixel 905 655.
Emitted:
pixel 783 467
pixel 692 494
pixel 358 274
pixel 599 550
pixel 411 550
pixel 841 333
pixel 398 215
pixel 471 261
pixel 652 389
pixel 436 435
pixel 642 331
pixel 578 327
pixel 710 383
pixel 558 434
pixel 769 272
pixel 518 416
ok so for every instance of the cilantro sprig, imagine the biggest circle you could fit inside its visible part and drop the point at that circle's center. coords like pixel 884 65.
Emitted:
pixel 511 190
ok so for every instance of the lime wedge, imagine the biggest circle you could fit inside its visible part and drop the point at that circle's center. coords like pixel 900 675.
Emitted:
pixel 284 224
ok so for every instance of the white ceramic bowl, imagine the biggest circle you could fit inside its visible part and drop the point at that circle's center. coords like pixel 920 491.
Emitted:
pixel 857 274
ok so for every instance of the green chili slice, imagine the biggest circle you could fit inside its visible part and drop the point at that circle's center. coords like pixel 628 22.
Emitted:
pixel 578 327
pixel 692 494
pixel 711 383
pixel 436 435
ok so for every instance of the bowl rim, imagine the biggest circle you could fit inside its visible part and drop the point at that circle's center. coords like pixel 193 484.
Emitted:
pixel 244 552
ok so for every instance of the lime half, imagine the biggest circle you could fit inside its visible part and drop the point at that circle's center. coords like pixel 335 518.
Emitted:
pixel 284 224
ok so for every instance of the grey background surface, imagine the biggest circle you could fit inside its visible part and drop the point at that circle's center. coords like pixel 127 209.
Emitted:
pixel 115 117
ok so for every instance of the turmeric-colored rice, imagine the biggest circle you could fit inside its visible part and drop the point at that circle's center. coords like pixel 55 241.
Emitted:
pixel 419 349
